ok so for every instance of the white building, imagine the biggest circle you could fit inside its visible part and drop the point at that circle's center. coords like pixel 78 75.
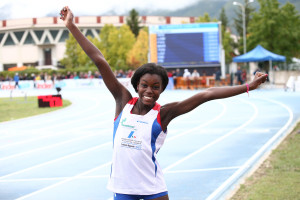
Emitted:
pixel 41 41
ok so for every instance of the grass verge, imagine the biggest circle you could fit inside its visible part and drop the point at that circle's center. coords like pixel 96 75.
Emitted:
pixel 19 107
pixel 278 177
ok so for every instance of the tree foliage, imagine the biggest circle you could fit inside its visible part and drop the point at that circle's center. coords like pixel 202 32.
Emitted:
pixel 138 55
pixel 120 43
pixel 227 41
pixel 71 54
pixel 224 19
pixel 276 29
pixel 238 22
pixel 115 43
pixel 205 18
pixel 133 22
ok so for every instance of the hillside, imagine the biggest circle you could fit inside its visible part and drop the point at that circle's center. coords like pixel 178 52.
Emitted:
pixel 213 8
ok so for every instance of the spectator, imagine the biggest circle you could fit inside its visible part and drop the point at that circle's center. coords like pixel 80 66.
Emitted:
pixel 218 77
pixel 176 75
pixel 196 78
pixel 129 74
pixel 187 78
pixel 244 76
pixel 120 74
pixel 238 75
pixel 17 79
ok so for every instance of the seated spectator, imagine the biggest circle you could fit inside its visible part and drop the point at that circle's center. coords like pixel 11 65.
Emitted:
pixel 130 73
pixel 196 78
pixel 218 77
pixel 203 79
pixel 187 78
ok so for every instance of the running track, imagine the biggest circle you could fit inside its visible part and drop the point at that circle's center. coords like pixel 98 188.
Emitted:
pixel 66 154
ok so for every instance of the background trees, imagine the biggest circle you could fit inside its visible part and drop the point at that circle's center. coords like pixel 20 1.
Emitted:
pixel 276 28
pixel 273 26
pixel 133 22
pixel 238 23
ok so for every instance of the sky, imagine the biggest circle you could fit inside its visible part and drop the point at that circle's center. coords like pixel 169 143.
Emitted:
pixel 16 9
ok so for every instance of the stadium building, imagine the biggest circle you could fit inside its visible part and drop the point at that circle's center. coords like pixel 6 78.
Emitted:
pixel 40 42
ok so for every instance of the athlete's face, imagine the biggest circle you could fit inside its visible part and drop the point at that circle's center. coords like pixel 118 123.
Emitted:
pixel 149 88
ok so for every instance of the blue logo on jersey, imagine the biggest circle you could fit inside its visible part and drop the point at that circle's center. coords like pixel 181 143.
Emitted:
pixel 131 135
pixel 142 122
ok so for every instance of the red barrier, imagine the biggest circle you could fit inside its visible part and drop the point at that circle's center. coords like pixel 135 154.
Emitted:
pixel 50 101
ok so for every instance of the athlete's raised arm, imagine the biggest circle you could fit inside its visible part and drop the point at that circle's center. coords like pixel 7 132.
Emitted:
pixel 120 93
pixel 172 110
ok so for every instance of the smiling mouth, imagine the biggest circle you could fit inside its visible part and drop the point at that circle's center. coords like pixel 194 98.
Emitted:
pixel 148 98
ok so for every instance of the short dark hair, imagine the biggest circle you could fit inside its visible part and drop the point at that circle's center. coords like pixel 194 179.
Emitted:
pixel 150 68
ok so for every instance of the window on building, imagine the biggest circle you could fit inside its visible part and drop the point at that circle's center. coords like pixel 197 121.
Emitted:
pixel 54 33
pixel 1 36
pixel 39 34
pixel 47 41
pixel 89 33
pixel 64 36
pixel 19 35
pixel 9 41
pixel 98 31
pixel 31 64
pixel 29 39
pixel 6 66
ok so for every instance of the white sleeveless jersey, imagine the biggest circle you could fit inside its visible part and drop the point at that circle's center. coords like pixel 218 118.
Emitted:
pixel 136 141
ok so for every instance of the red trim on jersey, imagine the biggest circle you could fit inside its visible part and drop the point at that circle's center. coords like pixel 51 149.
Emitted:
pixel 116 118
pixel 133 100
pixel 156 107
pixel 159 120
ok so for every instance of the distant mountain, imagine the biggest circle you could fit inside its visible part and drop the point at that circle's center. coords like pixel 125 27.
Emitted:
pixel 213 8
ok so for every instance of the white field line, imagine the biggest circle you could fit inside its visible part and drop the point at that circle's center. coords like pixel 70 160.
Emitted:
pixel 200 126
pixel 82 128
pixel 202 170
pixel 56 160
pixel 106 176
pixel 64 181
pixel 51 179
pixel 215 141
pixel 31 118
pixel 219 191
pixel 63 123
pixel 53 145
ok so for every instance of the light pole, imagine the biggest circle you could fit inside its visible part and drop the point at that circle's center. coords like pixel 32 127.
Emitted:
pixel 244 20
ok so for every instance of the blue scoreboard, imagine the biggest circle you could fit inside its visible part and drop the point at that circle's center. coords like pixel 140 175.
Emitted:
pixel 188 45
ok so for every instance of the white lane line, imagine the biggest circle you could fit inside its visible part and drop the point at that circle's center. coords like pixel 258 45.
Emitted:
pixel 32 120
pixel 249 164
pixel 51 179
pixel 267 130
pixel 56 160
pixel 64 181
pixel 51 134
pixel 106 176
pixel 202 170
pixel 217 140
pixel 64 123
pixel 54 145
pixel 200 126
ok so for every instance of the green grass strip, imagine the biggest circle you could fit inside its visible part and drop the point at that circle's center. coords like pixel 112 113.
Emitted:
pixel 278 178
pixel 20 107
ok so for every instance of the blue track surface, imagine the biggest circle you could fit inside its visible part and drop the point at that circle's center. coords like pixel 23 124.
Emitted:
pixel 66 154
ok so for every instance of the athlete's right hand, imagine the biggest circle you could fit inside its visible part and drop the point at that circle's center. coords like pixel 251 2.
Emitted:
pixel 66 15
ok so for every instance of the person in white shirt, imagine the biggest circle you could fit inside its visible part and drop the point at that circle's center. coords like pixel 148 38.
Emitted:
pixel 187 78
pixel 196 79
